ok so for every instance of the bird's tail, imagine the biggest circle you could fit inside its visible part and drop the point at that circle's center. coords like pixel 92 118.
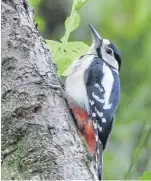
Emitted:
pixel 98 160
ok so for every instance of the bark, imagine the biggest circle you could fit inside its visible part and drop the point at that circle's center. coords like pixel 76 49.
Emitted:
pixel 39 139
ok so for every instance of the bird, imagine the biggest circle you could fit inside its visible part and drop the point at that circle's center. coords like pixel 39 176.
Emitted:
pixel 92 90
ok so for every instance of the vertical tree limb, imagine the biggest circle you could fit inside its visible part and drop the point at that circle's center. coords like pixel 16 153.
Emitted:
pixel 39 140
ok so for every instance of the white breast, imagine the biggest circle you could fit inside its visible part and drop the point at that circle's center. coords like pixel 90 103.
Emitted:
pixel 75 85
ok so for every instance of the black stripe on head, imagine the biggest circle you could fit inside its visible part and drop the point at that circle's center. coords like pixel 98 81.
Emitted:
pixel 98 50
pixel 117 54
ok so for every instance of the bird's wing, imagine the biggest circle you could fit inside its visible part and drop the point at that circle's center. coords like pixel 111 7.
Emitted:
pixel 102 123
pixel 95 91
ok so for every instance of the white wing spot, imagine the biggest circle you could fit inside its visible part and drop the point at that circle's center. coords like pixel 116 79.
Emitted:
pixel 100 128
pixel 91 102
pixel 96 138
pixel 103 120
pixel 96 161
pixel 100 114
pixel 97 85
pixel 97 98
pixel 100 142
pixel 93 115
pixel 94 125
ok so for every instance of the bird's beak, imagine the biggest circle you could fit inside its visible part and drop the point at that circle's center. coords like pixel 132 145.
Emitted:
pixel 96 37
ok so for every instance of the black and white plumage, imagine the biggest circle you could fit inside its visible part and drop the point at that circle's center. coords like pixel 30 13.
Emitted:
pixel 93 84
pixel 103 90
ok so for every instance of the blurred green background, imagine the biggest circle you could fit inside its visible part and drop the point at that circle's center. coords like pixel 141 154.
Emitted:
pixel 128 24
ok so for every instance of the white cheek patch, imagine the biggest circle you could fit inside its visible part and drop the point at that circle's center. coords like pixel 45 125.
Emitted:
pixel 110 59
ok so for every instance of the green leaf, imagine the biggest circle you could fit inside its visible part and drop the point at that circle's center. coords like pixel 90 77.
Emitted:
pixel 67 52
pixel 79 4
pixel 74 50
pixel 75 23
pixel 53 46
pixel 64 59
pixel 146 176
pixel 41 23
pixel 34 3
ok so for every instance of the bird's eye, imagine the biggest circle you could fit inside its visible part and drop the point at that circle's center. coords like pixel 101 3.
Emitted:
pixel 109 51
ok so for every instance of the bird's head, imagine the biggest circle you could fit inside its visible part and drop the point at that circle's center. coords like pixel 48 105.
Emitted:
pixel 105 49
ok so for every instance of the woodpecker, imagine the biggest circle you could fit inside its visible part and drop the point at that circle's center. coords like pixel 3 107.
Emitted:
pixel 92 91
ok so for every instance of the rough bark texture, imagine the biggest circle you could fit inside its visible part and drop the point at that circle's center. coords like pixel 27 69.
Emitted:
pixel 39 139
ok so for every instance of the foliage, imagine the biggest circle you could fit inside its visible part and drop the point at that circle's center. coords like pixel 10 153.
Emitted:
pixel 38 19
pixel 146 176
pixel 135 156
pixel 127 24
pixel 65 52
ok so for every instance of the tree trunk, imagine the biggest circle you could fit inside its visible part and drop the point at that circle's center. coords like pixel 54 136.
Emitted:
pixel 39 139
